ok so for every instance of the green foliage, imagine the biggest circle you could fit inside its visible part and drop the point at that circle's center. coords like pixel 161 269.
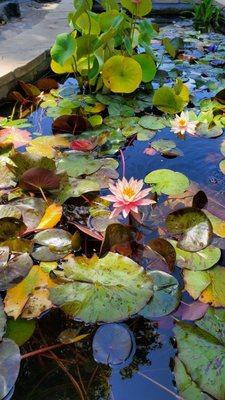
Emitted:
pixel 206 15
pixel 95 41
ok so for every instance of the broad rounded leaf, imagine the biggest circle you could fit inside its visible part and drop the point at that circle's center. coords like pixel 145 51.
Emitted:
pixel 166 295
pixel 9 366
pixel 147 65
pixel 121 74
pixel 44 253
pixel 63 48
pixel 112 344
pixel 107 289
pixel 16 269
pixel 199 261
pixel 20 330
pixel 138 8
pixel 35 178
pixel 164 249
pixel 193 226
pixel 167 181
pixel 11 227
pixel 54 239
pixel 74 124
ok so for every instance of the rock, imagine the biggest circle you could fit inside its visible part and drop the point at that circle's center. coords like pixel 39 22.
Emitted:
pixel 12 10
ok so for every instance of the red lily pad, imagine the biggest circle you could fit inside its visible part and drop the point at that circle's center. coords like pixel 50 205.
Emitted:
pixel 74 124
pixel 36 178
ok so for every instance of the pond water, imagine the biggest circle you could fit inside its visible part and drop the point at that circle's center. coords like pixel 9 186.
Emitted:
pixel 148 371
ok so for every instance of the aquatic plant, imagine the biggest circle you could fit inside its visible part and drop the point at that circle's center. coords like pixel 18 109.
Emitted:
pixel 182 124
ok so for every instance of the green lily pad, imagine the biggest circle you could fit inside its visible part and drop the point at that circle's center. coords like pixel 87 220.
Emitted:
pixel 107 289
pixel 193 226
pixel 148 66
pixel 163 146
pixel 171 100
pixel 76 165
pixel 43 253
pixel 167 181
pixel 213 323
pixel 20 330
pixel 199 261
pixel 9 366
pixel 63 48
pixel 152 122
pixel 166 295
pixel 203 356
pixel 55 239
pixel 77 187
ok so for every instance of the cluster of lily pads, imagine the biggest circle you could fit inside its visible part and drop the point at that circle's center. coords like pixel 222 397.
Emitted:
pixel 61 243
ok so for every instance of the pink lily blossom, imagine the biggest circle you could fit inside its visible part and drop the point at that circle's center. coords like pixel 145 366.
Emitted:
pixel 127 196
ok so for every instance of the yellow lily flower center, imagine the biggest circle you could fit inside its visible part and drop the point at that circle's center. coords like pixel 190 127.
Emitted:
pixel 129 192
pixel 182 123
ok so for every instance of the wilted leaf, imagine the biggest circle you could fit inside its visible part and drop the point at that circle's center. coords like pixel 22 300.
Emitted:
pixel 11 227
pixel 116 286
pixel 51 217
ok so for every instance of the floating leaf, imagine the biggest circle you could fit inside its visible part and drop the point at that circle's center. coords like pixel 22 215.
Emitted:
pixel 20 330
pixel 194 311
pixel 74 124
pixel 167 181
pixel 36 178
pixel 51 217
pixel 79 164
pixel 152 122
pixel 186 386
pixel 11 227
pixel 203 130
pixel 44 253
pixel 55 239
pixel 164 249
pixel 200 200
pixel 9 366
pixel 171 100
pixel 47 145
pixel 117 235
pixel 121 74
pixel 163 146
pixel 18 245
pixel 166 295
pixel 217 224
pixel 193 226
pixel 107 289
pixel 199 261
pixel 207 285
pixel 203 357
pixel 9 211
pixel 70 335
pixel 17 297
pixel 138 8
pixel 16 269
pixel 112 344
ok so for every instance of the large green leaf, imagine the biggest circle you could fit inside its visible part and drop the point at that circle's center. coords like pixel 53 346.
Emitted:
pixel 171 100
pixel 201 260
pixel 166 295
pixel 107 289
pixel 63 48
pixel 20 330
pixel 167 181
pixel 147 65
pixel 137 8
pixel 203 356
pixel 77 164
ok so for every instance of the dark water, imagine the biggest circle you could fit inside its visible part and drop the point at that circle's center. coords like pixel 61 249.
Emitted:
pixel 44 378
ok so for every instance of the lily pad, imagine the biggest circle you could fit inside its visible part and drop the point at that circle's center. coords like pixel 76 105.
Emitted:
pixel 152 122
pixel 16 269
pixel 193 226
pixel 44 253
pixel 164 249
pixel 167 181
pixel 199 261
pixel 55 239
pixel 148 66
pixel 11 227
pixel 36 178
pixel 108 289
pixel 166 295
pixel 20 330
pixel 76 165
pixel 112 344
pixel 9 366
pixel 122 74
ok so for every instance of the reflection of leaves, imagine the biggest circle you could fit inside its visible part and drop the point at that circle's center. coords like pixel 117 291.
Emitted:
pixel 112 344
pixel 9 365
pixel 107 289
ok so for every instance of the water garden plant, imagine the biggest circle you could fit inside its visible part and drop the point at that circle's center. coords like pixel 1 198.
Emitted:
pixel 104 234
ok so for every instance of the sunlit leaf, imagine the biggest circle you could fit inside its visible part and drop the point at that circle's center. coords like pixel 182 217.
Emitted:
pixel 16 136
pixel 167 181
pixel 63 48
pixel 107 289
pixel 54 239
pixel 121 74
pixel 47 145
pixel 51 217
pixel 137 7
pixel 148 66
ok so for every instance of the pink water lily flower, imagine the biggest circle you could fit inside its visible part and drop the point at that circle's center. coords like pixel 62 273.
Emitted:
pixel 127 196
pixel 182 124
